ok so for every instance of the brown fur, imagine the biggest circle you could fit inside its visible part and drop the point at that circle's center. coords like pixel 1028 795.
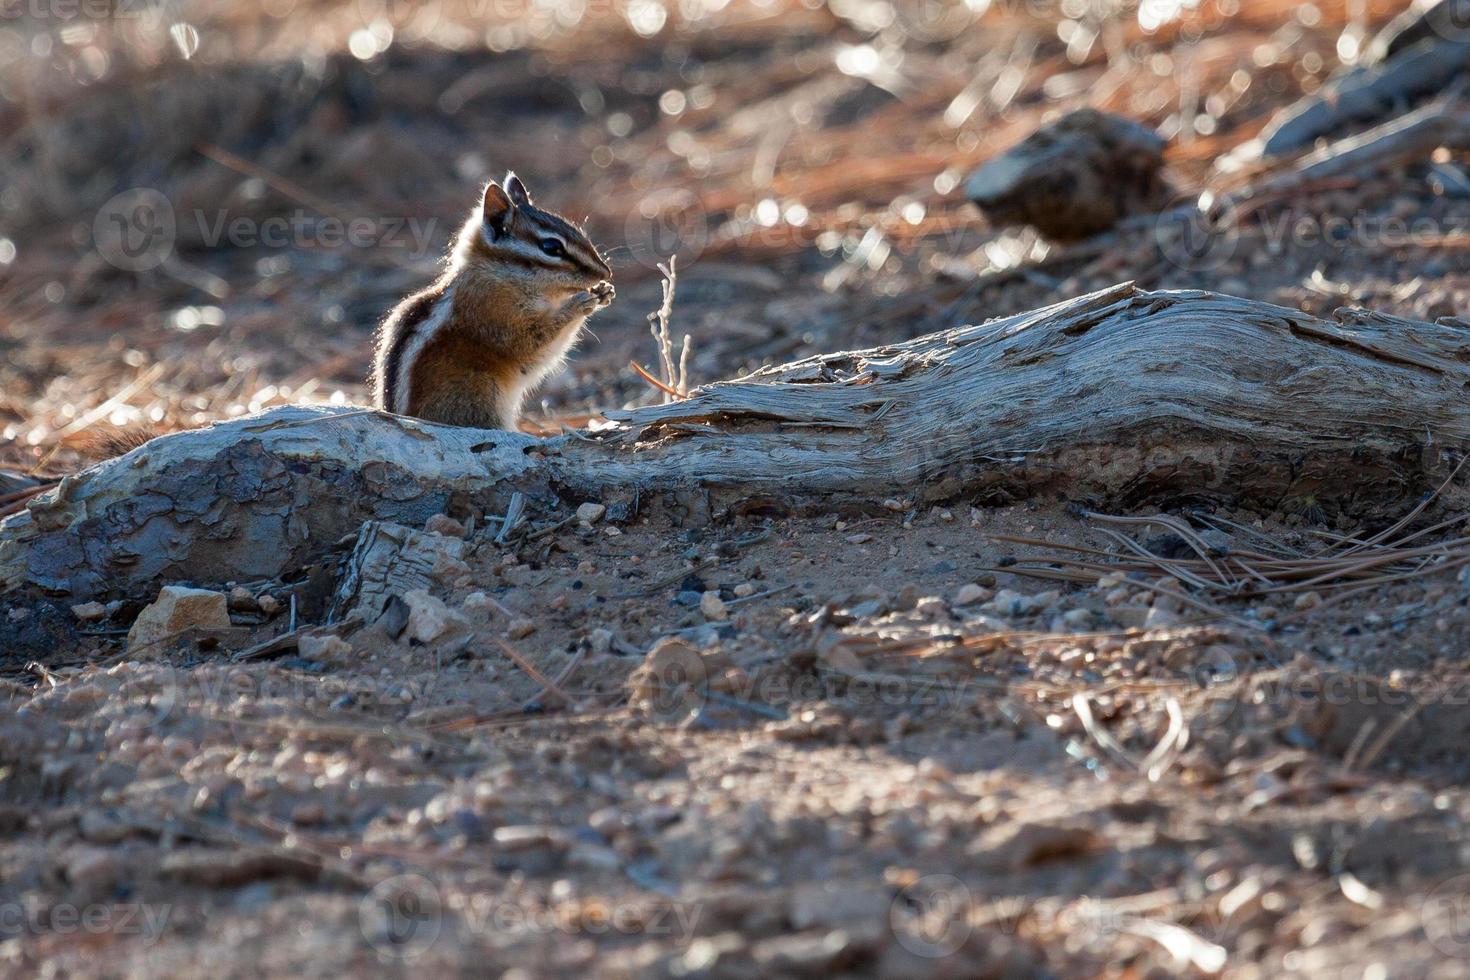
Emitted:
pixel 510 324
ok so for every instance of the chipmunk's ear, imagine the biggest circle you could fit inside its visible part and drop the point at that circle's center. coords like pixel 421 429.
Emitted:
pixel 517 190
pixel 498 209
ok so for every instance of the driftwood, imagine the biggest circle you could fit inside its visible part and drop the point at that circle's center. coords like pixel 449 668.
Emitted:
pixel 1118 398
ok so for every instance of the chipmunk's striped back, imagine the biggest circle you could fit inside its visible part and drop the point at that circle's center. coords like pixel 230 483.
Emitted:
pixel 521 282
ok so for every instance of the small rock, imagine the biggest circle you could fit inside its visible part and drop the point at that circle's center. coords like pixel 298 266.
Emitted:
pixel 594 857
pixel 175 610
pixel 932 607
pixel 93 867
pixel 972 594
pixel 1074 177
pixel 89 612
pixel 809 955
pixel 324 649
pixel 520 628
pixel 712 606
pixel 868 608
pixel 428 617
pixel 744 589
pixel 1308 600
pixel 600 640
pixel 590 513
pixel 1008 602
pixel 445 525
pixel 478 604
pixel 269 604
pixel 240 599
pixel 862 538
pixel 528 837
pixel 1161 614
pixel 1077 619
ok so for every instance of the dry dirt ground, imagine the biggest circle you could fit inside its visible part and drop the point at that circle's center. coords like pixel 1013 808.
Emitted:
pixel 853 739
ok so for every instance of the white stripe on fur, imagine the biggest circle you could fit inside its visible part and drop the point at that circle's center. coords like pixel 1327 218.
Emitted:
pixel 422 334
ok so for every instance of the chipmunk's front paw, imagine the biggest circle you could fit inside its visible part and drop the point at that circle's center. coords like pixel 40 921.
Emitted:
pixel 603 292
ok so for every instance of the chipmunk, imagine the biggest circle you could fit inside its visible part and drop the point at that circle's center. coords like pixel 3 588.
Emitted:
pixel 519 284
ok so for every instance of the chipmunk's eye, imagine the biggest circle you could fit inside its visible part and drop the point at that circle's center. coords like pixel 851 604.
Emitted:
pixel 553 248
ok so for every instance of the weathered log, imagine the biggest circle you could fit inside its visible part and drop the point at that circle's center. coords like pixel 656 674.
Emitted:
pixel 1119 398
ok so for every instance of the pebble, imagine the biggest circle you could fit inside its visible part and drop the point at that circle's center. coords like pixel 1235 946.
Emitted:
pixel 520 628
pixel 744 589
pixel 1078 619
pixel 89 612
pixel 1008 602
pixel 971 594
pixel 478 603
pixel 590 513
pixel 175 610
pixel 241 599
pixel 1308 600
pixel 324 649
pixel 600 640
pixel 445 525
pixel 529 836
pixel 93 867
pixel 428 616
pixel 269 604
pixel 712 606
pixel 932 607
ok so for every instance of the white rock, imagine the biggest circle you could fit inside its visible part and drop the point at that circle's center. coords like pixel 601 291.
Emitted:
pixel 521 627
pixel 590 513
pixel 175 610
pixel 600 640
pixel 428 617
pixel 712 606
pixel 932 607
pixel 478 604
pixel 324 649
pixel 744 589
pixel 972 594
pixel 1078 619
pixel 89 612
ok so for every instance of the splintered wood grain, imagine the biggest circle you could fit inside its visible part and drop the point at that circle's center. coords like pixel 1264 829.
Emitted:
pixel 1122 397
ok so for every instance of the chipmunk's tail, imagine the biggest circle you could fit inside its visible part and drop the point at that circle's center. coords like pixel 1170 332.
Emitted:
pixel 103 443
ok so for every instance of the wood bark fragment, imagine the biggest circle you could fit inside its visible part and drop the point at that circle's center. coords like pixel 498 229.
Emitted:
pixel 1118 398
pixel 388 560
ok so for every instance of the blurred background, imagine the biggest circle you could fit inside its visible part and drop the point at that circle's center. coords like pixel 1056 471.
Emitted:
pixel 206 207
